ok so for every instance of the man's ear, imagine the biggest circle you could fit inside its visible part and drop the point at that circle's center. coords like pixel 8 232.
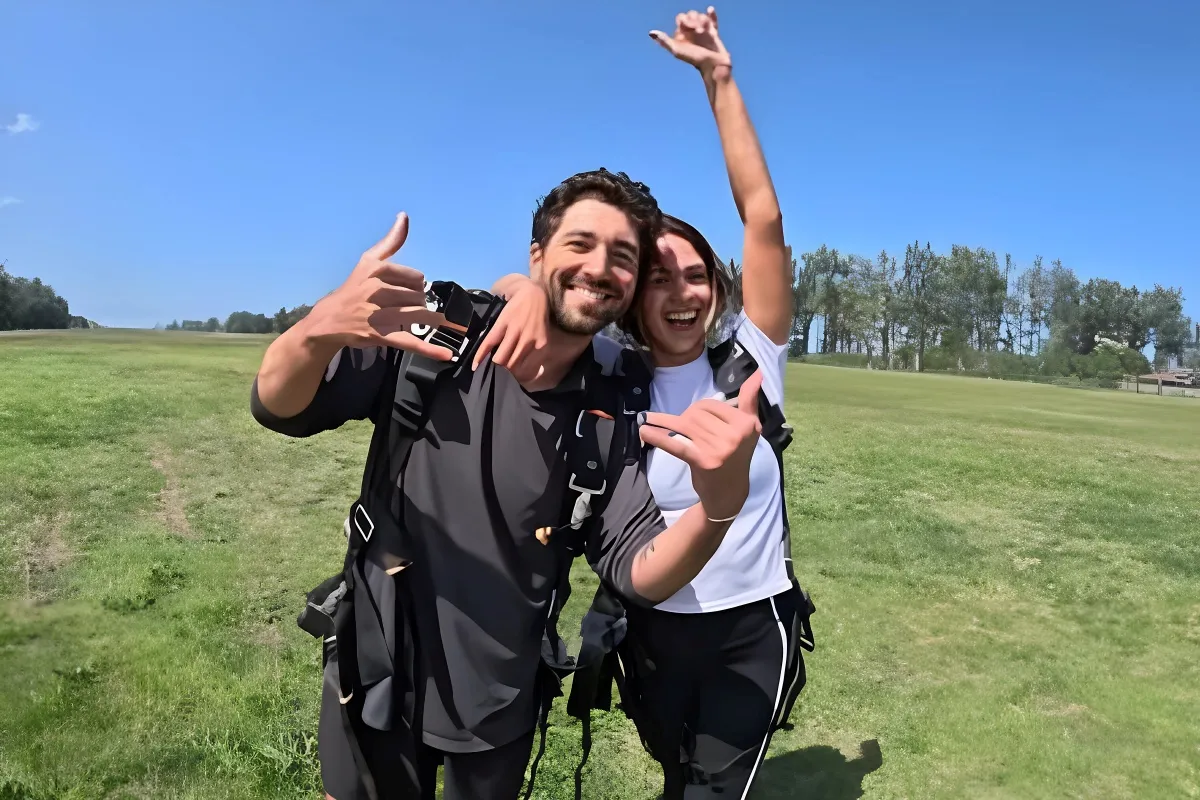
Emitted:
pixel 535 261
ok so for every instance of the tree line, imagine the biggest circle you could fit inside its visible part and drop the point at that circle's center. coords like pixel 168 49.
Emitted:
pixel 967 310
pixel 244 322
pixel 959 311
pixel 964 310
pixel 29 304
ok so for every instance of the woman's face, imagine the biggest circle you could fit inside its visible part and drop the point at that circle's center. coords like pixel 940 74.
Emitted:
pixel 675 303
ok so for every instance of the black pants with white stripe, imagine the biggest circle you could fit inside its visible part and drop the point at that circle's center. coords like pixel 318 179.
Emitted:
pixel 713 692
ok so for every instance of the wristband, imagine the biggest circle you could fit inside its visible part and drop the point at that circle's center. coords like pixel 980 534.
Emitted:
pixel 727 519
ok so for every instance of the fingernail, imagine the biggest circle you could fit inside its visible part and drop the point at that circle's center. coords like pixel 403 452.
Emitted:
pixel 641 418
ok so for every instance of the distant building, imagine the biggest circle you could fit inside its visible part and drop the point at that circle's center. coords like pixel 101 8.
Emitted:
pixel 1184 377
pixel 1191 352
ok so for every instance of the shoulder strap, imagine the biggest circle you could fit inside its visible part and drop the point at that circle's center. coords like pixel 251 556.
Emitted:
pixel 468 314
pixel 635 378
pixel 732 364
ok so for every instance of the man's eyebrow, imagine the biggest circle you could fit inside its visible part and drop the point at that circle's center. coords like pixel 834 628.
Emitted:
pixel 620 244
pixel 628 246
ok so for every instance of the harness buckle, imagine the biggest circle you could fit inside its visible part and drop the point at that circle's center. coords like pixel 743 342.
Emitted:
pixel 583 503
pixel 571 484
pixel 582 509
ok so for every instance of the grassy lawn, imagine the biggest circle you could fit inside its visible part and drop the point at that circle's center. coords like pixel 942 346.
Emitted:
pixel 1006 578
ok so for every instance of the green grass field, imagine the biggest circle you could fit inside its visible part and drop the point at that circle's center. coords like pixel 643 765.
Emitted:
pixel 1007 579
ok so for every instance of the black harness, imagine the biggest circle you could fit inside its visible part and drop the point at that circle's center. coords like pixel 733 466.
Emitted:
pixel 625 661
pixel 366 615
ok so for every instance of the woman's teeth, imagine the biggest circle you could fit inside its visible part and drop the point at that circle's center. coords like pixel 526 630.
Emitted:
pixel 681 319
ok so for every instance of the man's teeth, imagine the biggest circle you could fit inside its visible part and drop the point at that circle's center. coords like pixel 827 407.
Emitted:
pixel 682 316
pixel 590 293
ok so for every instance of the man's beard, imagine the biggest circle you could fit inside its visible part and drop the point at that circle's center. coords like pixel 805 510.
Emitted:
pixel 582 322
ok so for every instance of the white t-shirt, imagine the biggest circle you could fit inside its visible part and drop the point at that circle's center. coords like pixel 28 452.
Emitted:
pixel 748 566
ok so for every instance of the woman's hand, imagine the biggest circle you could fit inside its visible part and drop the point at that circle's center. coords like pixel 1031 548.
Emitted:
pixel 717 442
pixel 697 42
pixel 521 332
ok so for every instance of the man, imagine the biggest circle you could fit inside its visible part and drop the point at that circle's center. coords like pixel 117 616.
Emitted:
pixel 481 489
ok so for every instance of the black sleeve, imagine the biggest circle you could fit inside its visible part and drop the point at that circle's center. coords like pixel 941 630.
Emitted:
pixel 630 520
pixel 349 390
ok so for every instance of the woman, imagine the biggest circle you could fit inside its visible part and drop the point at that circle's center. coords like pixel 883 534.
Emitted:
pixel 719 645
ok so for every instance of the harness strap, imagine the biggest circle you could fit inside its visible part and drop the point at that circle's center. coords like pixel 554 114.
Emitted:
pixel 589 452
pixel 586 742
pixel 588 445
pixel 732 366
pixel 360 761
pixel 543 726
pixel 368 617
pixel 603 629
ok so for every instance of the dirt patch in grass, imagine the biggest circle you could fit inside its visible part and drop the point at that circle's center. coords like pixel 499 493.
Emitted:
pixel 42 551
pixel 53 553
pixel 1193 625
pixel 170 499
pixel 267 636
pixel 135 791
pixel 1054 709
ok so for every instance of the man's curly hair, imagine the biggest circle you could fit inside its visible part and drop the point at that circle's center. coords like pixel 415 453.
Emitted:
pixel 614 188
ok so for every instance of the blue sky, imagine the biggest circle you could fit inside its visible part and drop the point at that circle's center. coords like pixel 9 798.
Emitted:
pixel 190 159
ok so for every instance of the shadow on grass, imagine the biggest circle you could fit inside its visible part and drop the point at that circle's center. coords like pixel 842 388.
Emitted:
pixel 819 772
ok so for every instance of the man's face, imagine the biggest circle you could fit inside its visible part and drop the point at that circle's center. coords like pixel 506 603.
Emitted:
pixel 589 267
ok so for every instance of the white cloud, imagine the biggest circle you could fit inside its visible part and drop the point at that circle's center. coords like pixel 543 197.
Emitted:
pixel 24 124
pixel 9 200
